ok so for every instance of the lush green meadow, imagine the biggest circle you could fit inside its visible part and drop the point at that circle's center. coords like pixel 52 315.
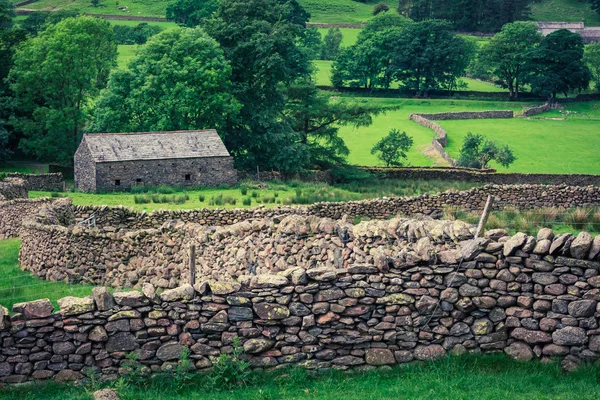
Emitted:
pixel 483 377
pixel 253 194
pixel 126 53
pixel 18 286
pixel 558 142
pixel 564 10
pixel 361 140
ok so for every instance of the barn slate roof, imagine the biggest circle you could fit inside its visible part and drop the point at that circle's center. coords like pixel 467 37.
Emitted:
pixel 111 147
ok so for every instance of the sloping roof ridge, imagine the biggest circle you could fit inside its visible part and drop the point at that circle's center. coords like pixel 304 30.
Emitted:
pixel 149 133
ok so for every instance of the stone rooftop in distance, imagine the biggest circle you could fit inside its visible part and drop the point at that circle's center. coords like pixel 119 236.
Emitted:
pixel 110 147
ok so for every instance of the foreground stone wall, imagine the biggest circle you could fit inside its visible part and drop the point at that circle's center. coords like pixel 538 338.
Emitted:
pixel 13 188
pixel 531 297
pixel 53 182
pixel 161 256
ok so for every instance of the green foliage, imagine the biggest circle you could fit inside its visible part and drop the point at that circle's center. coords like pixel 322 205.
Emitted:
pixel 138 34
pixel 592 60
pixel 556 65
pixel 244 190
pixel 380 7
pixel 247 201
pixel 2 176
pixel 265 56
pixel 7 13
pixel 95 3
pixel 468 15
pixel 311 43
pixel 161 198
pixel 179 80
pixel 506 54
pixel 36 22
pixel 331 44
pixel 231 371
pixel 595 5
pixel 429 55
pixel 191 13
pixel 134 371
pixel 316 119
pixel 391 150
pixel 477 152
pixel 54 78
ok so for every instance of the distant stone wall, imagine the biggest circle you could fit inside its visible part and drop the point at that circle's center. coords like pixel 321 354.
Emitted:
pixel 12 188
pixel 468 115
pixel 484 176
pixel 441 136
pixel 41 182
pixel 588 34
pixel 531 297
pixel 537 110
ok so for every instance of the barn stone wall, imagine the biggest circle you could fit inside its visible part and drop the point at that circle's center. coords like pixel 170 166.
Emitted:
pixel 210 171
pixel 530 297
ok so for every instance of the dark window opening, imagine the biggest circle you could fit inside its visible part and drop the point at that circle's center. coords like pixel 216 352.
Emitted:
pixel 117 182
pixel 138 180
pixel 188 177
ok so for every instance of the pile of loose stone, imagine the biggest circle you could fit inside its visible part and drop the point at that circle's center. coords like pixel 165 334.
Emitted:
pixel 531 297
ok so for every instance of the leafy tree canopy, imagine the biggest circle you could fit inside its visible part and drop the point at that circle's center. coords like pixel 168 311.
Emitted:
pixel 506 54
pixel 556 65
pixel 477 152
pixel 592 60
pixel 54 78
pixel 178 81
pixel 331 44
pixel 391 149
pixel 191 13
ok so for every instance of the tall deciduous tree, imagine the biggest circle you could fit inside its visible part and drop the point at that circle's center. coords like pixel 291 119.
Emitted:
pixel 592 60
pixel 506 54
pixel 260 41
pixel 54 78
pixel 429 55
pixel 178 81
pixel 191 13
pixel 368 63
pixel 556 65
pixel 331 44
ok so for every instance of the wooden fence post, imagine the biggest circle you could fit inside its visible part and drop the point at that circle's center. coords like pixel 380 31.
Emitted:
pixel 192 264
pixel 484 217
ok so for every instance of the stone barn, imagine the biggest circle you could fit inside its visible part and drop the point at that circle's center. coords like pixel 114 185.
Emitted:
pixel 119 161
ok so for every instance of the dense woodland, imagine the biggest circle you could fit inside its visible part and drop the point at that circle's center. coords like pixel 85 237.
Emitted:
pixel 252 77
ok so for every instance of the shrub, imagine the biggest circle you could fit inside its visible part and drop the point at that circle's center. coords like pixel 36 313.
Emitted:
pixel 244 191
pixel 3 176
pixel 578 218
pixel 201 197
pixel 231 371
pixel 254 194
pixel 380 7
pixel 141 199
pixel 247 201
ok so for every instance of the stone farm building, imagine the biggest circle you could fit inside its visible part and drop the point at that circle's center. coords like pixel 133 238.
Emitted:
pixel 118 161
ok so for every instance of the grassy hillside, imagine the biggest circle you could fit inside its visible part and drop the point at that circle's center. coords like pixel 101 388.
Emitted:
pixel 564 10
pixel 329 11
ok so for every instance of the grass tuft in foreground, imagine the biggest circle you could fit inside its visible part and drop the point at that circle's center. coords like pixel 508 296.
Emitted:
pixel 466 377
pixel 17 285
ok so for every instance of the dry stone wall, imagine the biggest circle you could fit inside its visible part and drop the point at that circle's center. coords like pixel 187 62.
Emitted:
pixel 483 176
pixel 531 297
pixel 53 182
pixel 521 196
pixel 441 136
pixel 12 188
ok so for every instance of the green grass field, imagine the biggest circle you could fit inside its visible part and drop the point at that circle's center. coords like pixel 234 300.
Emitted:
pixel 559 142
pixel 349 35
pixel 269 195
pixel 485 377
pixel 125 53
pixel 361 140
pixel 18 286
pixel 564 10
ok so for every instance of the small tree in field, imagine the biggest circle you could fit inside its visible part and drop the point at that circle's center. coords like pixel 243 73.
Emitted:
pixel 391 150
pixel 477 152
